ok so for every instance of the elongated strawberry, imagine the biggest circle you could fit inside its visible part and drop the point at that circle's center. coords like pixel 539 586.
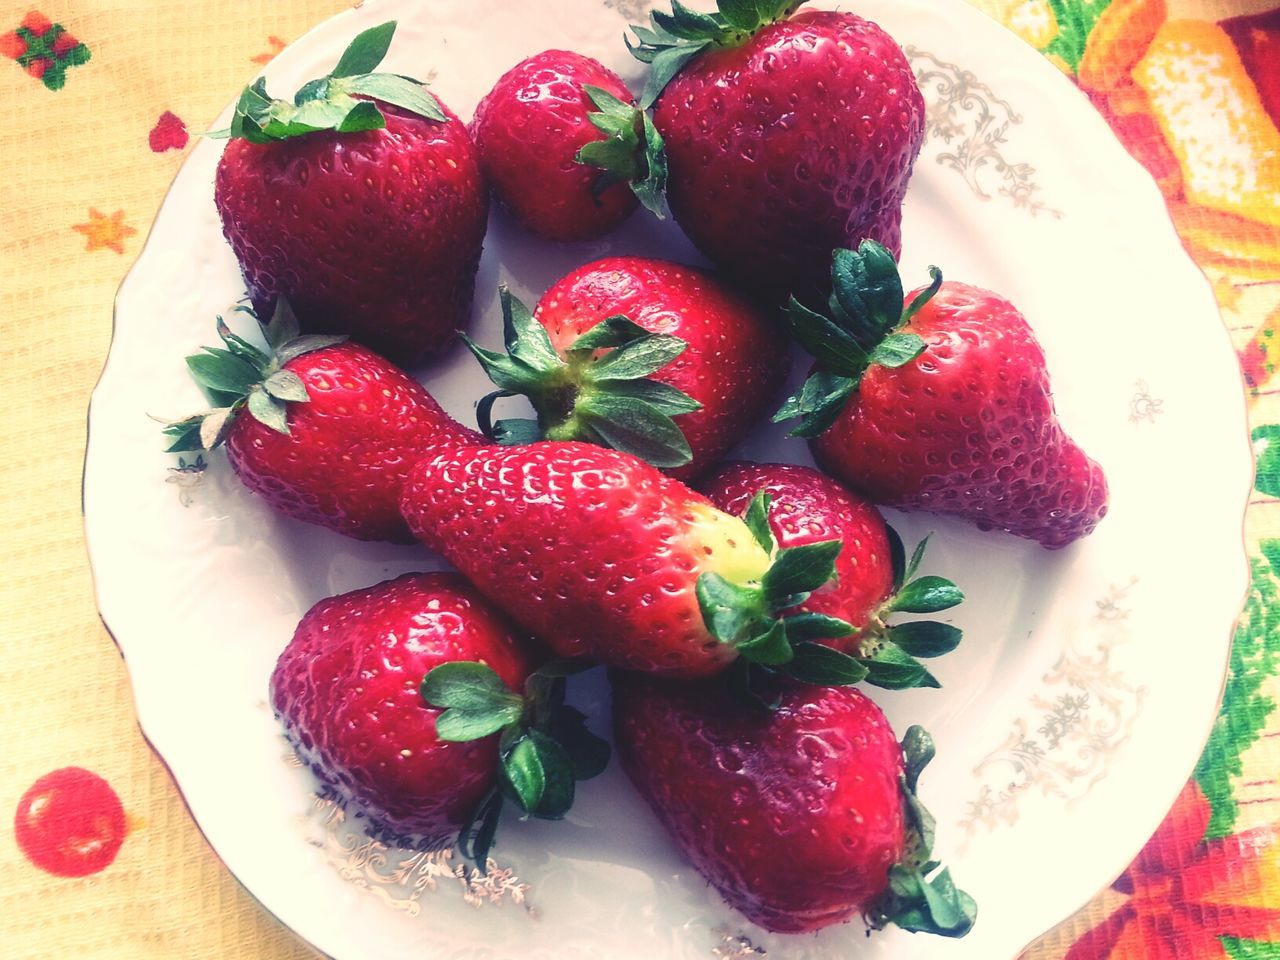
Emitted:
pixel 603 557
pixel 361 201
pixel 325 431
pixel 802 816
pixel 419 704
pixel 873 577
pixel 942 405
pixel 649 357
pixel 567 151
pixel 787 134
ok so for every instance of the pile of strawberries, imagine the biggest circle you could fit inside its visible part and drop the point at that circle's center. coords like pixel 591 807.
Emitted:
pixel 735 615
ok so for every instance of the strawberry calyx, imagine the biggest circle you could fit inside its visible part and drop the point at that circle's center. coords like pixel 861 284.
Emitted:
pixel 342 100
pixel 892 652
pixel 673 39
pixel 630 152
pixel 599 391
pixel 921 897
pixel 752 617
pixel 771 641
pixel 544 746
pixel 240 376
pixel 863 326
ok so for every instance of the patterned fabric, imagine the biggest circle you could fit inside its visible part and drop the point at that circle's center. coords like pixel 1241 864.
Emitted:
pixel 102 857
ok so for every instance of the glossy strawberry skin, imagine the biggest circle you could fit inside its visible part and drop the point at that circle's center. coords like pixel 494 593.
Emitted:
pixel 528 130
pixel 592 550
pixel 374 234
pixel 735 361
pixel 809 507
pixel 794 815
pixel 968 428
pixel 350 447
pixel 347 691
pixel 799 141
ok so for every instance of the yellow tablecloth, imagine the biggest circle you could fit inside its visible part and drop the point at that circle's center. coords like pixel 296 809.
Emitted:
pixel 102 96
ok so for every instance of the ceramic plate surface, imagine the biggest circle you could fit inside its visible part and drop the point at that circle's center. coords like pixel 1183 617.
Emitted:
pixel 1069 717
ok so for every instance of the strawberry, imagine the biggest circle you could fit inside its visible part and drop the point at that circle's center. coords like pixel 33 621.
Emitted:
pixel 802 816
pixel 942 405
pixel 873 578
pixel 603 557
pixel 362 203
pixel 402 697
pixel 786 136
pixel 325 431
pixel 620 347
pixel 567 151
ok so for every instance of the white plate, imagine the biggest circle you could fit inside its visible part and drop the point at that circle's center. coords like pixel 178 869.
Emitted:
pixel 1069 717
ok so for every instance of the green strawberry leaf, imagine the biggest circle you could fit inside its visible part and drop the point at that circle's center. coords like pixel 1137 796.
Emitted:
pixel 925 638
pixel 757 520
pixel 588 753
pixel 636 359
pixel 307 344
pixel 768 647
pixel 268 411
pixel 223 371
pixel 927 595
pixel 366 51
pixel 183 436
pixel 897 557
pixel 891 668
pixel 615 331
pixel 918 751
pixel 800 570
pixel 818 403
pixel 363 115
pixel 816 663
pixel 475 840
pixel 476 702
pixel 897 349
pixel 913 565
pixel 523 774
pixel 634 427
pixel 661 396
pixel 802 627
pixel 868 289
pixel 727 607
pixel 398 91
pixel 832 346
pixel 286 385
pixel 924 296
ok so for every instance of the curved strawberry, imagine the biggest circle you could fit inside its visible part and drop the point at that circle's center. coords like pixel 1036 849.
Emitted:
pixel 873 578
pixel 402 697
pixel 649 357
pixel 566 150
pixel 324 431
pixel 605 558
pixel 802 816
pixel 362 203
pixel 786 135
pixel 942 405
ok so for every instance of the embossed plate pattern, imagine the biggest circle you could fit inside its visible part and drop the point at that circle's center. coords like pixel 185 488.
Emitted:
pixel 1069 717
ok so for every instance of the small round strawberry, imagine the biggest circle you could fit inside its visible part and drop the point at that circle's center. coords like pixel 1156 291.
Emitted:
pixel 873 578
pixel 653 358
pixel 324 430
pixel 605 558
pixel 565 148
pixel 801 816
pixel 347 690
pixel 941 405
pixel 362 203
pixel 786 135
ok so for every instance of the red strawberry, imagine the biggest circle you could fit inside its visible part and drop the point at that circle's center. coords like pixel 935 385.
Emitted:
pixel 676 343
pixel 364 206
pixel 393 695
pixel 346 689
pixel 786 136
pixel 952 413
pixel 873 578
pixel 332 428
pixel 547 130
pixel 603 557
pixel 802 816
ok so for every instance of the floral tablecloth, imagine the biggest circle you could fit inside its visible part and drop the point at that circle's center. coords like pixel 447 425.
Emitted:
pixel 104 99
